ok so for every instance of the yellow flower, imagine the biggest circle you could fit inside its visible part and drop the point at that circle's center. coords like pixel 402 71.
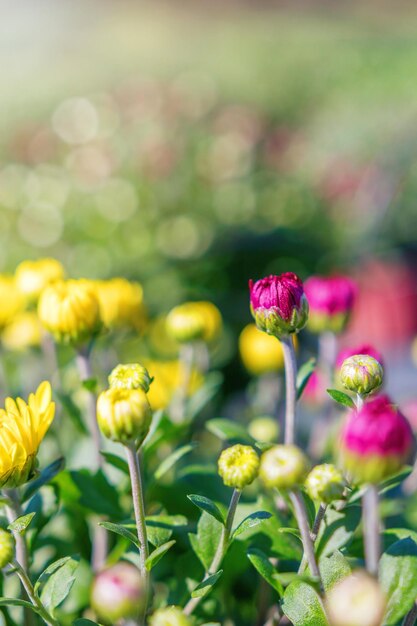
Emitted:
pixel 70 311
pixel 130 376
pixel 121 303
pixel 24 331
pixel 170 616
pixel 261 353
pixel 22 428
pixel 11 301
pixel 194 320
pixel 238 466
pixel 167 377
pixel 124 414
pixel 33 276
pixel 283 467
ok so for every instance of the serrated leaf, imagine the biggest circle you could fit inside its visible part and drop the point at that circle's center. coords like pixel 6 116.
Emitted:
pixel 228 430
pixel 341 398
pixel 303 376
pixel 116 461
pixel 398 579
pixel 206 585
pixel 58 585
pixel 333 568
pixel 122 531
pixel 265 568
pixel 173 458
pixel 157 554
pixel 20 524
pixel 45 476
pixel 207 505
pixel 254 519
pixel 302 605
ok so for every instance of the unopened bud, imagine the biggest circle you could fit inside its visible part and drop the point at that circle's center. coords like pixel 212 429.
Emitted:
pixel 130 376
pixel 325 483
pixel 124 415
pixel 361 374
pixel 170 616
pixel 356 601
pixel 283 467
pixel 238 466
pixel 118 593
pixel 264 429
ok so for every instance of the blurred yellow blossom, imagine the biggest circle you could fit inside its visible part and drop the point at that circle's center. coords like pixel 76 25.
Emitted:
pixel 194 320
pixel 261 353
pixel 33 276
pixel 11 301
pixel 121 303
pixel 23 332
pixel 167 379
pixel 22 428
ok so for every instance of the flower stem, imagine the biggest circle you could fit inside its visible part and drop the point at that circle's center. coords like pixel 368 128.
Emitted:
pixel 139 510
pixel 410 618
pixel 359 401
pixel 371 526
pixel 314 533
pixel 290 388
pixel 308 545
pixel 86 373
pixel 40 609
pixel 186 360
pixel 221 548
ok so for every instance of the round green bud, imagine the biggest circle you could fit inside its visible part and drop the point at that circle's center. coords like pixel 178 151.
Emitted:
pixel 118 592
pixel 170 616
pixel 130 376
pixel 283 467
pixel 6 548
pixel 356 600
pixel 325 483
pixel 238 466
pixel 185 323
pixel 124 415
pixel 361 374
pixel 264 429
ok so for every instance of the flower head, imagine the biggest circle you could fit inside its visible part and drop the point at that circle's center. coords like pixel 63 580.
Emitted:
pixel 361 374
pixel 124 415
pixel 118 592
pixel 264 429
pixel 6 548
pixel 238 466
pixel 23 332
pixel 194 320
pixel 130 376
pixel 283 467
pixel 363 348
pixel 212 319
pixel 167 376
pixel 22 428
pixel 330 300
pixel 70 311
pixel 170 616
pixel 260 353
pixel 278 304
pixel 33 276
pixel 376 441
pixel 356 600
pixel 325 483
pixel 11 300
pixel 121 303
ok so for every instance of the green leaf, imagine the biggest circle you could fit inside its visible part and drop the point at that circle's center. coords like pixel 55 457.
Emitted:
pixel 393 481
pixel 72 410
pixel 45 505
pixel 205 504
pixel 53 567
pixel 170 461
pixel 303 376
pixel 337 529
pixel 43 478
pixel 84 622
pixel 288 530
pixel 302 605
pixel 159 528
pixel 206 585
pixel 17 602
pixel 265 568
pixel 58 585
pixel 121 530
pixel 228 430
pixel 157 554
pixel 333 569
pixel 91 490
pixel 21 523
pixel 250 521
pixel 398 579
pixel 206 541
pixel 116 461
pixel 341 397
pixel 204 394
pixel 90 384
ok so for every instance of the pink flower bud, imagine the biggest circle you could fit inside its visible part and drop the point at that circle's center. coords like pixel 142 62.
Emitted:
pixel 376 441
pixel 278 304
pixel 363 348
pixel 330 300
pixel 118 592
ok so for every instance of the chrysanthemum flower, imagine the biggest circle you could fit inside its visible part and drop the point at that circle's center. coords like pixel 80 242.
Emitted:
pixel 22 428
pixel 33 276
pixel 121 303
pixel 11 300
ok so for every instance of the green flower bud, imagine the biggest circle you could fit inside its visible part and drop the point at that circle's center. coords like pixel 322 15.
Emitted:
pixel 361 374
pixel 264 429
pixel 130 376
pixel 170 616
pixel 325 483
pixel 185 323
pixel 357 600
pixel 238 466
pixel 124 415
pixel 118 593
pixel 283 467
pixel 6 548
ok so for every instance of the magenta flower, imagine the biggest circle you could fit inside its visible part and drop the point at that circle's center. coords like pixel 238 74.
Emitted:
pixel 278 304
pixel 330 300
pixel 376 441
pixel 365 349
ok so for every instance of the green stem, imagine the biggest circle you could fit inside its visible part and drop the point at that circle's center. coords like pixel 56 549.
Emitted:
pixel 140 515
pixel 308 545
pixel 86 373
pixel 371 528
pixel 290 388
pixel 186 359
pixel 314 533
pixel 40 609
pixel 221 548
